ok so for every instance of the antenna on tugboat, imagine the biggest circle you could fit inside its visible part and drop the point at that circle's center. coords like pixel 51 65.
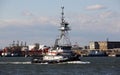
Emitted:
pixel 62 14
pixel 64 28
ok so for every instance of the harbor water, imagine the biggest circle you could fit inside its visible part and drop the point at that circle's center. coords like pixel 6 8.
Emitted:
pixel 98 66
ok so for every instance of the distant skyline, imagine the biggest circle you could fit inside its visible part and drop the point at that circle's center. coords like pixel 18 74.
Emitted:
pixel 37 21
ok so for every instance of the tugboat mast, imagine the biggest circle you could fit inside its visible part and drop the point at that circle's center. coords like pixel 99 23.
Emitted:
pixel 62 19
pixel 63 39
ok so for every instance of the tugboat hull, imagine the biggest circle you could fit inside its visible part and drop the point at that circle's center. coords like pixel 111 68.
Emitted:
pixel 54 59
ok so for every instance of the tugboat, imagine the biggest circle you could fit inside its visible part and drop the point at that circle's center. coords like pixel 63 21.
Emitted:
pixel 61 52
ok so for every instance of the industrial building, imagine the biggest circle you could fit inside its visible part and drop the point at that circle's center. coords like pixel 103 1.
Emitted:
pixel 104 45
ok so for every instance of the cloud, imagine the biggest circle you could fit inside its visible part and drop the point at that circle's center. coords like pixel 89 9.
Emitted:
pixel 42 20
pixel 105 14
pixel 27 13
pixel 105 22
pixel 95 7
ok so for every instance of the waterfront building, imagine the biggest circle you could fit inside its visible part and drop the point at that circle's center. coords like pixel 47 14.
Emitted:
pixel 104 45
pixel 93 45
